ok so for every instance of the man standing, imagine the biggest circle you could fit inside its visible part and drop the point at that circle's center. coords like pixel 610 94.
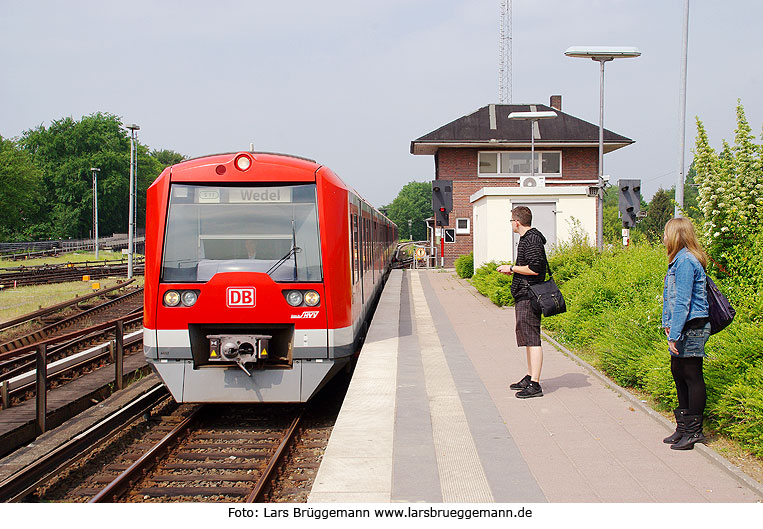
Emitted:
pixel 530 268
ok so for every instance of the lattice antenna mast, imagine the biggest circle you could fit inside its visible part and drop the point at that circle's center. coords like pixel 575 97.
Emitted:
pixel 504 53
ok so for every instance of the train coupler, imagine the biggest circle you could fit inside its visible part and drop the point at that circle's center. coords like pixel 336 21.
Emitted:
pixel 240 348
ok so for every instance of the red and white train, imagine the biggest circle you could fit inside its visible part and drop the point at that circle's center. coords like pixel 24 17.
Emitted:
pixel 261 270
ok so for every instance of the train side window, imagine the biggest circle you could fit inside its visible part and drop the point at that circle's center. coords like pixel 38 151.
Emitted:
pixel 355 249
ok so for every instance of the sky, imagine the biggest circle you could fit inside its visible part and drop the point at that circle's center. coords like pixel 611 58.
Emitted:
pixel 352 83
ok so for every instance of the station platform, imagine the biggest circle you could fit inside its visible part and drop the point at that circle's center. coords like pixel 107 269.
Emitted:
pixel 429 417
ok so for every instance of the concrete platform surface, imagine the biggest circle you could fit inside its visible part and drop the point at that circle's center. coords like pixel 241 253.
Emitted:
pixel 429 417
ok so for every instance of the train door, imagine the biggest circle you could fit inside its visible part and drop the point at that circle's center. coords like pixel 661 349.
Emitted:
pixel 356 257
pixel 367 255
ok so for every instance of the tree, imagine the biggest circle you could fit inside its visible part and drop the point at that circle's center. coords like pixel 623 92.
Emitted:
pixel 20 181
pixel 65 152
pixel 413 202
pixel 167 157
pixel 659 212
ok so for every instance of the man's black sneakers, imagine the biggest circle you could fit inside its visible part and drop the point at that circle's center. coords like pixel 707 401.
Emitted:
pixel 522 384
pixel 533 390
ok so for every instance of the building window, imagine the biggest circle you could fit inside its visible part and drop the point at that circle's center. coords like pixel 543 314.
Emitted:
pixel 462 226
pixel 488 162
pixel 517 163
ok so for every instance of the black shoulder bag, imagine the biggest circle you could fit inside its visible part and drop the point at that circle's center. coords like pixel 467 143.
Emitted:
pixel 720 310
pixel 546 297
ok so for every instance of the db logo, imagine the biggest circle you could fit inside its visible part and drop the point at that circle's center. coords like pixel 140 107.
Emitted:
pixel 240 297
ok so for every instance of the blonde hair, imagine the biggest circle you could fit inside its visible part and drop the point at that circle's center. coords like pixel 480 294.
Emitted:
pixel 679 233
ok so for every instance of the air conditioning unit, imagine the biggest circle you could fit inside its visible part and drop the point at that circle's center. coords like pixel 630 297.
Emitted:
pixel 532 181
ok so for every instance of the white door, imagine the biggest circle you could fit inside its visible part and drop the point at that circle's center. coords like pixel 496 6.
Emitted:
pixel 544 220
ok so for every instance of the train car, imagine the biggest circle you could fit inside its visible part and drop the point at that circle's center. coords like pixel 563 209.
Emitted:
pixel 261 272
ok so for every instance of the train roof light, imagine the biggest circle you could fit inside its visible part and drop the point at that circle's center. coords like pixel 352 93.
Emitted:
pixel 242 162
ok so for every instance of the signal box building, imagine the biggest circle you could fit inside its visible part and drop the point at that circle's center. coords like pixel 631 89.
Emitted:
pixel 487 157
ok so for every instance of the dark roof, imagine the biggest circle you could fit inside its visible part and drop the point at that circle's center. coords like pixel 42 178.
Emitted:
pixel 475 130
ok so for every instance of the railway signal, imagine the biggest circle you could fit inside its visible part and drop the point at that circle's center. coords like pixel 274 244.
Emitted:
pixel 442 201
pixel 629 201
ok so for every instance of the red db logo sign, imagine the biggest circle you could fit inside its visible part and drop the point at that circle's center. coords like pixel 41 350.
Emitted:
pixel 240 296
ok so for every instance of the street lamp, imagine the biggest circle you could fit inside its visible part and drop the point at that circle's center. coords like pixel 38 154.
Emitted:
pixel 95 171
pixel 131 222
pixel 533 117
pixel 601 54
pixel 682 115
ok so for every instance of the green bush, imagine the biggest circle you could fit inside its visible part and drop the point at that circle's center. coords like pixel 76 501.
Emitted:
pixel 492 284
pixel 465 265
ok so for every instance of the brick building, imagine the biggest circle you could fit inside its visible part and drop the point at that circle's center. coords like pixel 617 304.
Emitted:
pixel 487 156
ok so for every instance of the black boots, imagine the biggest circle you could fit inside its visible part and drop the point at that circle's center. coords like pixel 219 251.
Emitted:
pixel 692 433
pixel 679 433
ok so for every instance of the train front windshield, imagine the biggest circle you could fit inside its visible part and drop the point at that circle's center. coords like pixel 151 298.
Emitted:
pixel 215 229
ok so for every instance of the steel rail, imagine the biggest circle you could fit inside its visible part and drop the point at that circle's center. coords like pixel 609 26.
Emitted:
pixel 126 479
pixel 258 493
pixel 90 333
pixel 53 308
pixel 26 380
pixel 60 274
pixel 25 481
pixel 43 333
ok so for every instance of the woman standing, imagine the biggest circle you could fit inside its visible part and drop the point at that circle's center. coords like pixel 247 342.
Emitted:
pixel 687 327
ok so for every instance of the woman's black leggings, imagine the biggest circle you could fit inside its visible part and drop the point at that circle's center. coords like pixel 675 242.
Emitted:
pixel 690 384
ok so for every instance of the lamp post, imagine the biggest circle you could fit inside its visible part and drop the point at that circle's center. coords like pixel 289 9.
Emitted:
pixel 601 54
pixel 532 117
pixel 131 222
pixel 95 172
pixel 682 115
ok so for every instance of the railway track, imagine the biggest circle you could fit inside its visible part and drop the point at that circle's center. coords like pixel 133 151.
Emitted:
pixel 208 457
pixel 190 453
pixel 75 346
pixel 70 359
pixel 121 306
pixel 46 274
pixel 57 312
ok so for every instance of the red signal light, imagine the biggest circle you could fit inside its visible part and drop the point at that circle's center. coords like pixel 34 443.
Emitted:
pixel 442 209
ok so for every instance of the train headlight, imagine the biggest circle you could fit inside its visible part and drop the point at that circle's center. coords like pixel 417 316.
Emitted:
pixel 312 298
pixel 242 162
pixel 294 298
pixel 189 297
pixel 171 298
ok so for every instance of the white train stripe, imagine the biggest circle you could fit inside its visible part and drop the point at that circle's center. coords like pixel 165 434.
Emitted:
pixel 302 337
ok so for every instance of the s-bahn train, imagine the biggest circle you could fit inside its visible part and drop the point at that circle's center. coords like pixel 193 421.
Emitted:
pixel 261 271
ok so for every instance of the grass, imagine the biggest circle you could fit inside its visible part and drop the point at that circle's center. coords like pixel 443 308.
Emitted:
pixel 74 257
pixel 16 302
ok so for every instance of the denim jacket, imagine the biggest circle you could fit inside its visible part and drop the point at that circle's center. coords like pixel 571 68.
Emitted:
pixel 684 296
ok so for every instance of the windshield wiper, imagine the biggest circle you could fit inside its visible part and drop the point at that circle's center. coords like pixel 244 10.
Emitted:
pixel 294 251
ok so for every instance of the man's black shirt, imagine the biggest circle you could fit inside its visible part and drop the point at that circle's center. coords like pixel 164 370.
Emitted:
pixel 530 252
